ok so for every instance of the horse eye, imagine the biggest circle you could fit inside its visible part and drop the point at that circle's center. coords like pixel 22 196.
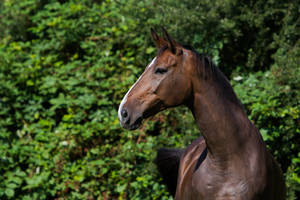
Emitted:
pixel 160 70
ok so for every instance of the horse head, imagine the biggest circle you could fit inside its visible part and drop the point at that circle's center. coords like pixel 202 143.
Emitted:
pixel 164 83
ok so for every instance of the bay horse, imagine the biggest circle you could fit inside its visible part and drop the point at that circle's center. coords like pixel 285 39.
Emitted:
pixel 231 160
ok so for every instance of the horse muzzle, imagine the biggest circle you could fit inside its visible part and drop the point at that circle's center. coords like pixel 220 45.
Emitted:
pixel 128 120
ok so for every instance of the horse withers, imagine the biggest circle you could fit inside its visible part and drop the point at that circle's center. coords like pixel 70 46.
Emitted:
pixel 231 160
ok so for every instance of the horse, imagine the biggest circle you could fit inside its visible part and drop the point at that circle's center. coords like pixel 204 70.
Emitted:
pixel 230 160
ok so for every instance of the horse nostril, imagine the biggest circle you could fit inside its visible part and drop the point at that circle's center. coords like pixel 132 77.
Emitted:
pixel 124 113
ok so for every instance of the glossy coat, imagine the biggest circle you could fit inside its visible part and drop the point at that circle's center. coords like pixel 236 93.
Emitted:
pixel 238 165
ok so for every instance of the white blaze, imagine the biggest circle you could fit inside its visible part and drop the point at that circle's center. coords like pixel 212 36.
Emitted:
pixel 151 62
pixel 126 95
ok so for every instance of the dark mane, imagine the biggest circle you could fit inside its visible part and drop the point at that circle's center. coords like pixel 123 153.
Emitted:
pixel 209 71
pixel 205 66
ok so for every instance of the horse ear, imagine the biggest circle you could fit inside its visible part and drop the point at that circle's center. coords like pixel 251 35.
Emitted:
pixel 159 41
pixel 171 42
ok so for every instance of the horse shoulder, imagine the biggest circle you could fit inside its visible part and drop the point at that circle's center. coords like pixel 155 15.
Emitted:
pixel 188 163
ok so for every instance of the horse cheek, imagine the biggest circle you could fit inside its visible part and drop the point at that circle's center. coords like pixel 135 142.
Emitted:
pixel 174 93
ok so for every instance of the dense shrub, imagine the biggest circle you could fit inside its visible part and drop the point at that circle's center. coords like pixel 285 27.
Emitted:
pixel 65 66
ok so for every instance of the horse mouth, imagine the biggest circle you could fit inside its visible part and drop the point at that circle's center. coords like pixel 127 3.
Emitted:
pixel 136 124
pixel 133 126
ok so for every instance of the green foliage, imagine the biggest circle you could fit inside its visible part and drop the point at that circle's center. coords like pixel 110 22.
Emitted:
pixel 65 66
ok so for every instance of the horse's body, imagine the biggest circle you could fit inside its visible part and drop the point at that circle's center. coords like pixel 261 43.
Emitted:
pixel 235 162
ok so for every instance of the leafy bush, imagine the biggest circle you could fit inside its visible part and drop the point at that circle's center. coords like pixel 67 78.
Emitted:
pixel 65 66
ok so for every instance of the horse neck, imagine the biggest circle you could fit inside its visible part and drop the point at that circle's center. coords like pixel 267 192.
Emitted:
pixel 220 117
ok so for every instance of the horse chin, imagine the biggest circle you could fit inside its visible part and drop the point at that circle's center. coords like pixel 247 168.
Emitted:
pixel 135 125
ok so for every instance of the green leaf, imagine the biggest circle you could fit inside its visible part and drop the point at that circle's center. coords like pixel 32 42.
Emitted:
pixel 149 50
pixel 9 192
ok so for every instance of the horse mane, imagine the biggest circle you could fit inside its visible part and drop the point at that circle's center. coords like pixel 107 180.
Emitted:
pixel 205 66
pixel 207 70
